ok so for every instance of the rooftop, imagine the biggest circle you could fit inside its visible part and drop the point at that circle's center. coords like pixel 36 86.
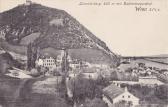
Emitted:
pixel 113 91
pixel 148 77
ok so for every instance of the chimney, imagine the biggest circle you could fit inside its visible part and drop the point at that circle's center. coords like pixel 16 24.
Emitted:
pixel 126 89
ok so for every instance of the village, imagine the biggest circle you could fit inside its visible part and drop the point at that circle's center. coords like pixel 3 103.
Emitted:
pixel 49 59
pixel 119 86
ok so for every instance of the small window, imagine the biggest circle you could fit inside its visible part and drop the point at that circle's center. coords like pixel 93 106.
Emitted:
pixel 122 96
pixel 129 96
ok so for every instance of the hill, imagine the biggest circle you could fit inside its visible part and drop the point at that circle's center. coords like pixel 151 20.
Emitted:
pixel 161 55
pixel 50 28
pixel 7 61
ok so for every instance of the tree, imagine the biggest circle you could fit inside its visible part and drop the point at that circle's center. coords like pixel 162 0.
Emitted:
pixel 114 76
pixel 162 92
pixel 83 88
pixel 128 70
pixel 44 70
pixel 65 63
pixel 29 53
pixel 31 56
pixel 56 72
pixel 96 102
pixel 102 81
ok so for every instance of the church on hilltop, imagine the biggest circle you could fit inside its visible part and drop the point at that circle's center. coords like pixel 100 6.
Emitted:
pixel 28 2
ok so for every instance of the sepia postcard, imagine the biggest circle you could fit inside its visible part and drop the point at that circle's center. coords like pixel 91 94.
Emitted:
pixel 83 53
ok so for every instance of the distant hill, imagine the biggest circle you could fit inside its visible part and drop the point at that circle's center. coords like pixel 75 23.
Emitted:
pixel 161 55
pixel 51 28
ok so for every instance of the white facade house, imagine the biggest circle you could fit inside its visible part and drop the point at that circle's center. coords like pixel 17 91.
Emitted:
pixel 114 94
pixel 48 62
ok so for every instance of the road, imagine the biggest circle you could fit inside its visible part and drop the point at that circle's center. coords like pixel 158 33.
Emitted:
pixel 69 92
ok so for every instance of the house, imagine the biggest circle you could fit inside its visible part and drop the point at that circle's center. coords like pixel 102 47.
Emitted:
pixel 143 81
pixel 149 80
pixel 48 62
pixel 166 73
pixel 118 83
pixel 114 94
pixel 99 65
pixel 74 65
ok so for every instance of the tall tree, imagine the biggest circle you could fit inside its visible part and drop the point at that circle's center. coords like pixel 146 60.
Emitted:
pixel 31 56
pixel 65 63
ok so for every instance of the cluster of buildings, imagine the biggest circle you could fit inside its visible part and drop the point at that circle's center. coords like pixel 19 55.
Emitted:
pixel 52 63
pixel 142 70
pixel 112 94
pixel 74 65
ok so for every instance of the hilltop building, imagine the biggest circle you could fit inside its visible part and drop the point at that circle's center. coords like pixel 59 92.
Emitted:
pixel 114 94
pixel 28 2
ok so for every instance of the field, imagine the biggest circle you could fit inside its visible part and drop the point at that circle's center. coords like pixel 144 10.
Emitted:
pixel 24 93
pixel 148 63
pixel 159 60
pixel 8 86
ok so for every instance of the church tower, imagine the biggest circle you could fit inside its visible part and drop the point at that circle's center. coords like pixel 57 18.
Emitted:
pixel 28 2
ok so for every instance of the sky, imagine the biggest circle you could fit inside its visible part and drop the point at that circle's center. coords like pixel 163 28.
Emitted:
pixel 126 31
